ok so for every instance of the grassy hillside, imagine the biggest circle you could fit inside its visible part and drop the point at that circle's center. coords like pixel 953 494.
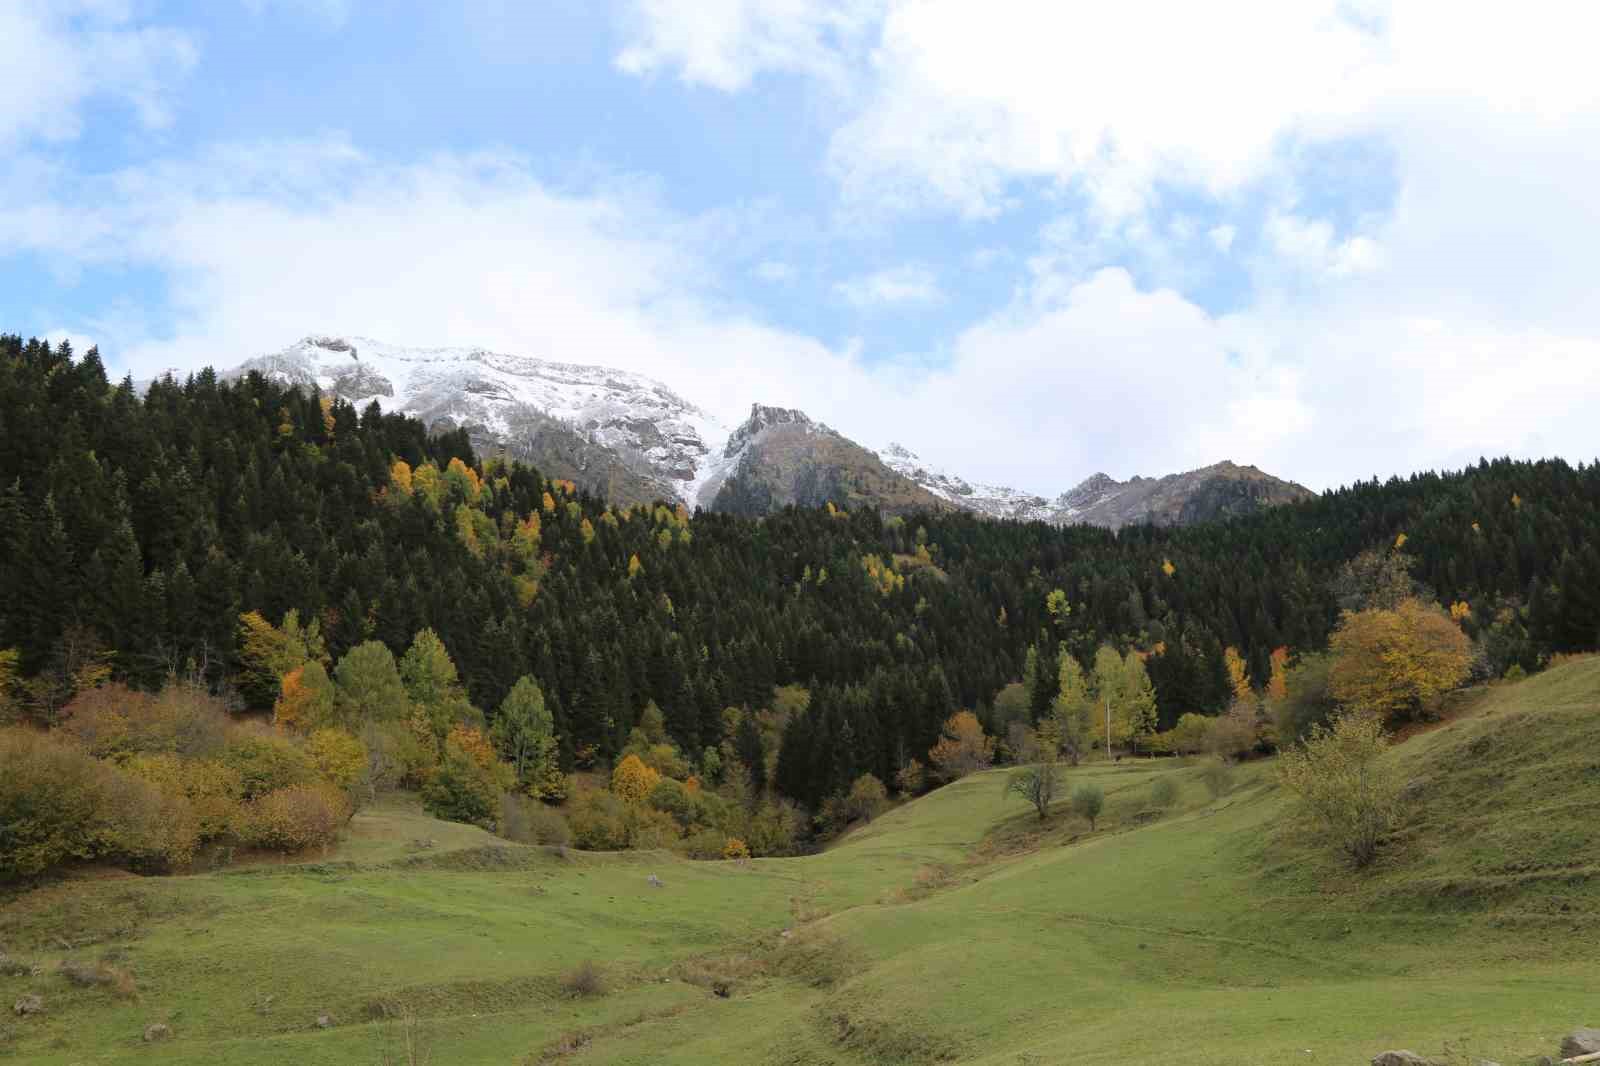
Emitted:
pixel 951 929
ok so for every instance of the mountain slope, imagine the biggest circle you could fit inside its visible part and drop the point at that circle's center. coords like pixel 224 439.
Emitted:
pixel 779 457
pixel 622 435
pixel 1223 490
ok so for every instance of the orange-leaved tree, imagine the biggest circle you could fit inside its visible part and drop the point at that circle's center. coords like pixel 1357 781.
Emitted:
pixel 963 747
pixel 632 780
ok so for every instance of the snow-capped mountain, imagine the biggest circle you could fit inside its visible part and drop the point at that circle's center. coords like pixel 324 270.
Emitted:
pixel 634 440
pixel 623 434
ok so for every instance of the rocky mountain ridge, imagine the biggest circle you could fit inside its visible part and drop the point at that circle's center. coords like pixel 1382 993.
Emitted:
pixel 633 439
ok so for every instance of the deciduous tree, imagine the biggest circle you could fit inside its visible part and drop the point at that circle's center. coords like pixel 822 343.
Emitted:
pixel 1345 785
pixel 1397 663
pixel 963 747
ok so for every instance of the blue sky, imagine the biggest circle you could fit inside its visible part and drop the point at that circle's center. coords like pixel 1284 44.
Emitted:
pixel 1333 239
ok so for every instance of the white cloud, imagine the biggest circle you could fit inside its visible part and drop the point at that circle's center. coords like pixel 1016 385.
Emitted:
pixel 909 283
pixel 59 56
pixel 1222 237
pixel 725 44
pixel 1311 244
pixel 774 271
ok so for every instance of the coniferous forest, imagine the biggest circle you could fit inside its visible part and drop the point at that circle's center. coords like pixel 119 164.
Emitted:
pixel 141 527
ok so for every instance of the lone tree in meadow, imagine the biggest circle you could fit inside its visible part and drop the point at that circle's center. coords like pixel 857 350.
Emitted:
pixel 1343 784
pixel 1088 801
pixel 1039 784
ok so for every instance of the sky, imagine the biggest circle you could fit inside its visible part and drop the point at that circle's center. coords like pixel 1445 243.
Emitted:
pixel 1029 241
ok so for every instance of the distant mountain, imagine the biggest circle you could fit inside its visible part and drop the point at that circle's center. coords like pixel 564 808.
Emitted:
pixel 778 457
pixel 632 439
pixel 1222 490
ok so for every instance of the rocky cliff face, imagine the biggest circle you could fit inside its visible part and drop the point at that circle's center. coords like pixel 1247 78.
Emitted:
pixel 634 440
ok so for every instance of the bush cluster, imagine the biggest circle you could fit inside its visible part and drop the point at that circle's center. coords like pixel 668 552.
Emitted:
pixel 143 780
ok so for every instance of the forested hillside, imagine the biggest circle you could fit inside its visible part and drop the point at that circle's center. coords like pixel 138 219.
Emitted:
pixel 144 526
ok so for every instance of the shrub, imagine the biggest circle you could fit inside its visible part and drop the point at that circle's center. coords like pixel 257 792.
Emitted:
pixel 462 789
pixel 596 818
pixel 1163 793
pixel 138 825
pixel 1344 786
pixel 773 828
pixel 1189 735
pixel 704 844
pixel 1231 735
pixel 867 797
pixel 339 757
pixel 49 800
pixel 1087 802
pixel 267 764
pixel 99 975
pixel 212 788
pixel 545 825
pixel 100 719
pixel 1307 699
pixel 584 981
pixel 735 849
pixel 114 722
pixel 674 799
pixel 910 779
pixel 1216 775
pixel 295 818
pixel 649 828
pixel 59 804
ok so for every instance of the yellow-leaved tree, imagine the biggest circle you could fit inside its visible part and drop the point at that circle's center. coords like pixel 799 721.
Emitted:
pixel 632 780
pixel 1397 663
pixel 1238 678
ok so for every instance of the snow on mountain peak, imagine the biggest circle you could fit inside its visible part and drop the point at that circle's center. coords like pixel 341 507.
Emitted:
pixel 507 400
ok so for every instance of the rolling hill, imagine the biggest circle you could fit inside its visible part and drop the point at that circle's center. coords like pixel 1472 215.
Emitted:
pixel 951 929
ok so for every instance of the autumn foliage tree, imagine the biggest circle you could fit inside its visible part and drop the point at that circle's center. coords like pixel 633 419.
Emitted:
pixel 963 747
pixel 632 780
pixel 306 699
pixel 1397 663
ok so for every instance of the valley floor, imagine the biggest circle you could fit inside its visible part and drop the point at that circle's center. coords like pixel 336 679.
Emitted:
pixel 952 929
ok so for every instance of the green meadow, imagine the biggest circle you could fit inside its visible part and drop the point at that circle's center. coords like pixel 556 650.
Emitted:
pixel 955 928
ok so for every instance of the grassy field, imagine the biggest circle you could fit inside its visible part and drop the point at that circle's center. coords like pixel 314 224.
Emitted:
pixel 953 929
